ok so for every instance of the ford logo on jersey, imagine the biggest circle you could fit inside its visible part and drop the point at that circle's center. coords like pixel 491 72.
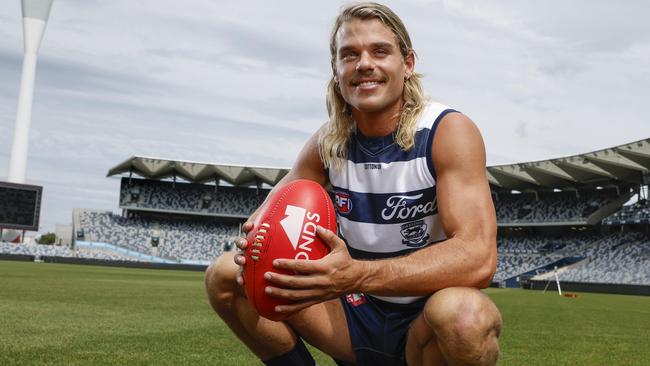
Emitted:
pixel 343 202
pixel 403 207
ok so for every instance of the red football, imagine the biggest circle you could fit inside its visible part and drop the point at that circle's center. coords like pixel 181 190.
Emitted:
pixel 285 228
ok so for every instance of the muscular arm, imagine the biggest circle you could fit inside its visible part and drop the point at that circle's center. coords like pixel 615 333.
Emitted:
pixel 468 256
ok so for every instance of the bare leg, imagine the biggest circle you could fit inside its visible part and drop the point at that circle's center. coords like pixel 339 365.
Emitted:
pixel 264 337
pixel 322 325
pixel 458 326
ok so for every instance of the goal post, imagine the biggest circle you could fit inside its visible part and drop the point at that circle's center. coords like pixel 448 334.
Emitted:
pixel 557 282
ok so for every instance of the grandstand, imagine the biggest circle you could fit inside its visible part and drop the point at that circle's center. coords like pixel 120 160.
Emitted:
pixel 637 213
pixel 39 251
pixel 176 211
pixel 567 207
pixel 173 237
pixel 622 258
pixel 587 215
pixel 182 198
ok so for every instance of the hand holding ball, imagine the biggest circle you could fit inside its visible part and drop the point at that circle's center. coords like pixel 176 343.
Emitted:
pixel 285 228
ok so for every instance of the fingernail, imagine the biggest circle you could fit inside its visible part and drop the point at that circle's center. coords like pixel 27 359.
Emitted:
pixel 320 229
pixel 240 280
pixel 278 309
pixel 276 262
pixel 267 275
pixel 267 290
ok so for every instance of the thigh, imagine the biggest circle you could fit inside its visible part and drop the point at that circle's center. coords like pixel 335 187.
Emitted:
pixel 325 327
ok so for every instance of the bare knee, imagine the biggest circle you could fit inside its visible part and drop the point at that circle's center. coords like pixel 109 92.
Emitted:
pixel 220 282
pixel 466 324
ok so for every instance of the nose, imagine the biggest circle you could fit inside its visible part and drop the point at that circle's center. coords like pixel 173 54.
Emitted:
pixel 365 62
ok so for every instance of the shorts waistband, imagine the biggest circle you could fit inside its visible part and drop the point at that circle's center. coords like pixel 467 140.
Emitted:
pixel 392 306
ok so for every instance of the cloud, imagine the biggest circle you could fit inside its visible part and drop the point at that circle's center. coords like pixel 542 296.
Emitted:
pixel 244 82
pixel 522 129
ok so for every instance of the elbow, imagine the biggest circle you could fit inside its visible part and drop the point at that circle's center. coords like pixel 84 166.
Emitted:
pixel 486 268
pixel 484 277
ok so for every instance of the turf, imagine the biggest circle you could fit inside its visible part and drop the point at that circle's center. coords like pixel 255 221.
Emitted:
pixel 55 314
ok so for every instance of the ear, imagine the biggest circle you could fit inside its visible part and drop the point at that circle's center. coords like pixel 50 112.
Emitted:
pixel 334 75
pixel 409 65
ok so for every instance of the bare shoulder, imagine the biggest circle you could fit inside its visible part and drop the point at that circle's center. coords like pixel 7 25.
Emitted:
pixel 457 141
pixel 308 164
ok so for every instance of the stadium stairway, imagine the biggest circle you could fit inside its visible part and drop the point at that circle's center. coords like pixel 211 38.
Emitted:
pixel 609 209
pixel 545 270
pixel 549 275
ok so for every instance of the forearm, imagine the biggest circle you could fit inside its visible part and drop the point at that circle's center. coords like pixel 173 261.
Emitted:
pixel 454 262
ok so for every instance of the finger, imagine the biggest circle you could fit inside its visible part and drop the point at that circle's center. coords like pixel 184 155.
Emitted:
pixel 295 281
pixel 247 226
pixel 241 243
pixel 299 265
pixel 240 260
pixel 295 307
pixel 330 238
pixel 293 295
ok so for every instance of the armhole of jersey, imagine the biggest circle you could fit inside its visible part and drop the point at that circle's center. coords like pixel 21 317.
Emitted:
pixel 432 133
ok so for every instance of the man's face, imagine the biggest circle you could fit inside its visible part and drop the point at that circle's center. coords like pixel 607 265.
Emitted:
pixel 369 67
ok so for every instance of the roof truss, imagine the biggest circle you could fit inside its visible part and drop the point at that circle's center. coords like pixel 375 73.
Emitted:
pixel 627 164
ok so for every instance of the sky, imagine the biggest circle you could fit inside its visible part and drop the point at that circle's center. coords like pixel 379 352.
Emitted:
pixel 244 82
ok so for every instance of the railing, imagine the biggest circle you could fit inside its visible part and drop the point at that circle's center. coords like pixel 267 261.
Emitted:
pixel 127 252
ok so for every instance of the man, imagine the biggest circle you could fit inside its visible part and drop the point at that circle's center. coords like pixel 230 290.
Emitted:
pixel 417 224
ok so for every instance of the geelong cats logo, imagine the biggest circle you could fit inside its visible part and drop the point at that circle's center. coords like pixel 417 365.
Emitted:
pixel 414 234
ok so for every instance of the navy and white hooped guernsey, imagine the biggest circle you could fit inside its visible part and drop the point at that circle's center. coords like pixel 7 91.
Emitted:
pixel 385 197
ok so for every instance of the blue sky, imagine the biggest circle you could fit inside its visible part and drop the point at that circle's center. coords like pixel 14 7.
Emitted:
pixel 243 82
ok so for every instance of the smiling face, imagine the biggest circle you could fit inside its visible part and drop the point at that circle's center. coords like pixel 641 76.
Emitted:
pixel 369 67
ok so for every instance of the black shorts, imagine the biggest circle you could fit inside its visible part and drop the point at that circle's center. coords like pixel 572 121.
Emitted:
pixel 378 329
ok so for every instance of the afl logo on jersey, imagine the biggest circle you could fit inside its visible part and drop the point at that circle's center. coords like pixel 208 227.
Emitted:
pixel 343 203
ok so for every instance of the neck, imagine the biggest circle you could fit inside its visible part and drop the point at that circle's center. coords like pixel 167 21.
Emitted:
pixel 378 123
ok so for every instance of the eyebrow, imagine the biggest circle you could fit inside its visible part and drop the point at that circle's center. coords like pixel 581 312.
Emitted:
pixel 374 45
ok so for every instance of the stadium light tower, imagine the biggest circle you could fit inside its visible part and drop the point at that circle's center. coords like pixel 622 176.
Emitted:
pixel 35 14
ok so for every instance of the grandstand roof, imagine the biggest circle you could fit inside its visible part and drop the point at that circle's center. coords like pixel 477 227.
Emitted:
pixel 624 164
pixel 628 163
pixel 197 172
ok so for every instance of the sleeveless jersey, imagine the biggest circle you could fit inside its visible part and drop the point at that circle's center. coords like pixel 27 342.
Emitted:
pixel 385 197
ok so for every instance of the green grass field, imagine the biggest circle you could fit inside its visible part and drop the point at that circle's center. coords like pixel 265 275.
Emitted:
pixel 55 314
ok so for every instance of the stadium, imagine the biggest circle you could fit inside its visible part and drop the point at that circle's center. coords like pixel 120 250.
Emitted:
pixel 583 217
pixel 239 84
pixel 580 222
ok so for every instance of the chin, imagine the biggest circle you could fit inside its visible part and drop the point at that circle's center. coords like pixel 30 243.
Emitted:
pixel 371 106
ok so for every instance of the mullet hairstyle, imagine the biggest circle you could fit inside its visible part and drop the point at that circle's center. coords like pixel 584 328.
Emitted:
pixel 334 139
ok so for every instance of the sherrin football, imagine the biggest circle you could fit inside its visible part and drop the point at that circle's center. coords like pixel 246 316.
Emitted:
pixel 285 228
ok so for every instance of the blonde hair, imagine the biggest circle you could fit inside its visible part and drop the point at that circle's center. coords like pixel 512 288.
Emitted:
pixel 334 139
